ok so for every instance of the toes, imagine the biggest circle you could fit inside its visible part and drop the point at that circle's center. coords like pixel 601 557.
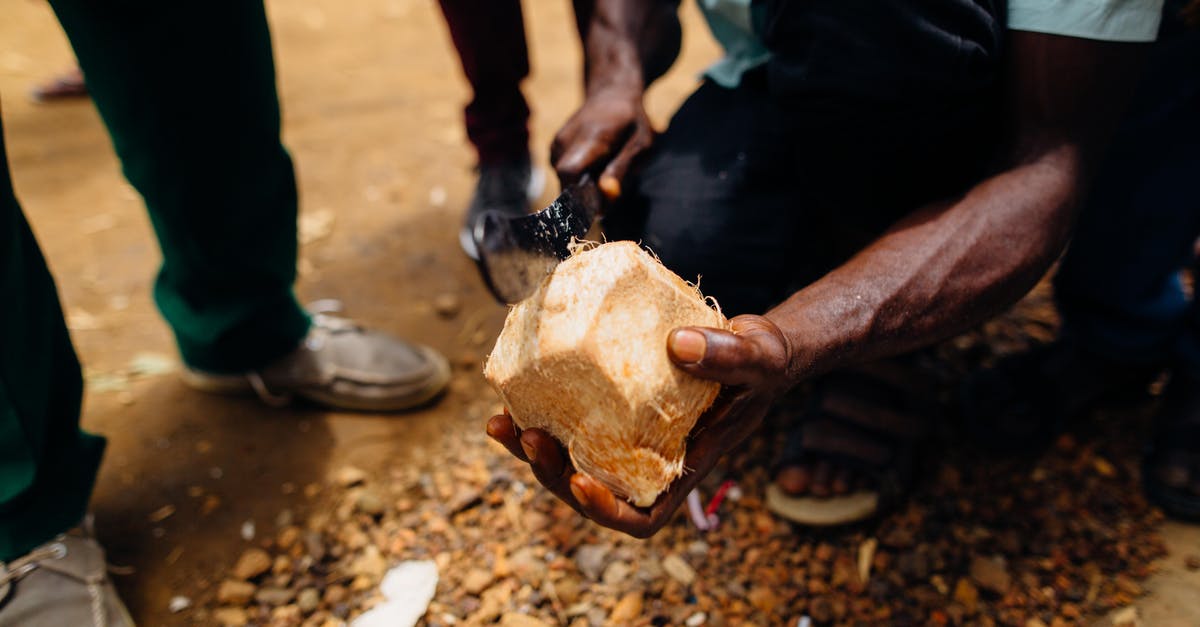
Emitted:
pixel 842 480
pixel 794 480
pixel 822 475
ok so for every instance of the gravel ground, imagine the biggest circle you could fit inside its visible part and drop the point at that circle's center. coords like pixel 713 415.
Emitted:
pixel 1053 538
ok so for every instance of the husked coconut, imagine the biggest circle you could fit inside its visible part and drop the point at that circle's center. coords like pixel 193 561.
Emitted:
pixel 585 359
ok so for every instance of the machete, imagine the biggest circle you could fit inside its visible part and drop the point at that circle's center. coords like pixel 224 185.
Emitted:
pixel 515 254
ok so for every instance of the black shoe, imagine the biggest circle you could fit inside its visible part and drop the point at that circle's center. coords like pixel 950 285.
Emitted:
pixel 505 187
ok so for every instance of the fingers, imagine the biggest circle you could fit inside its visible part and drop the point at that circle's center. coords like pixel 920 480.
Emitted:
pixel 546 458
pixel 606 509
pixel 502 429
pixel 615 171
pixel 753 352
pixel 581 149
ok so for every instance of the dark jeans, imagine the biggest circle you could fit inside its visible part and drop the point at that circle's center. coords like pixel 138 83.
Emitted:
pixel 489 36
pixel 1119 287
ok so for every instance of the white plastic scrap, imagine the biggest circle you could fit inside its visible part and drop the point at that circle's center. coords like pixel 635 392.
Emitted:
pixel 179 604
pixel 407 590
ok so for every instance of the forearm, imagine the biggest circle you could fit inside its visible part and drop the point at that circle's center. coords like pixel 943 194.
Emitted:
pixel 953 264
pixel 938 272
pixel 628 41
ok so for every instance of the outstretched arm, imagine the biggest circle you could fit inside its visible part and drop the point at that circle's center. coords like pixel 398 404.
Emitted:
pixel 951 265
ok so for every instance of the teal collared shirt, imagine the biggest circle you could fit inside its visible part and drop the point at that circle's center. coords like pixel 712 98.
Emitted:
pixel 733 25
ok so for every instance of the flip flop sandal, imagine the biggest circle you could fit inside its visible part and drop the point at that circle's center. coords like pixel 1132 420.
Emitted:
pixel 1177 426
pixel 856 421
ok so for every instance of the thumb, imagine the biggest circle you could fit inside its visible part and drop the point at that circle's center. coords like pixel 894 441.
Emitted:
pixel 753 352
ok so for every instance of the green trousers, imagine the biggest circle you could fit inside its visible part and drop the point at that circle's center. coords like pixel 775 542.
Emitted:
pixel 187 91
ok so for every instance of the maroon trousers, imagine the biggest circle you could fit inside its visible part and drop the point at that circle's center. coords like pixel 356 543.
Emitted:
pixel 490 38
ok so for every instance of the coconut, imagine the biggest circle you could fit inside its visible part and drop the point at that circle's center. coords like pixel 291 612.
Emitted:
pixel 585 359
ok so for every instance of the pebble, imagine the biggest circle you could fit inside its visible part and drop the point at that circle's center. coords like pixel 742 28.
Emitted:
pixel 568 590
pixel 370 564
pixel 274 596
pixel 627 609
pixel 230 616
pixel 179 604
pixel 370 503
pixel 348 476
pixel 477 580
pixel 287 537
pixel 616 573
pixel 233 592
pixel 589 559
pixel 308 600
pixel 514 619
pixel 1126 617
pixel 696 620
pixel 251 564
pixel 678 569
pixel 991 574
pixel 967 594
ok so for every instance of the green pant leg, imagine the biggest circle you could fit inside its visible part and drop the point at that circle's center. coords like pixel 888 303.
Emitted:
pixel 187 90
pixel 47 465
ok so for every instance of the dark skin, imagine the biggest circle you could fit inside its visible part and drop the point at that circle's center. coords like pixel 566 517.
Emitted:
pixel 941 270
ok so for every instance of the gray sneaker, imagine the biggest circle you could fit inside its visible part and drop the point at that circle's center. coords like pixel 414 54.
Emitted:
pixel 340 365
pixel 506 187
pixel 61 583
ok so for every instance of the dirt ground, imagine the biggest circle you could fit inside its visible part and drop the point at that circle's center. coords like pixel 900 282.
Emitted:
pixel 372 99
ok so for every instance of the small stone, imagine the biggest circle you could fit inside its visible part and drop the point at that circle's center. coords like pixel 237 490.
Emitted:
pixel 348 476
pixel 447 305
pixel 627 610
pixel 288 537
pixel 568 590
pixel 696 620
pixel 514 619
pixel 991 574
pixel 824 552
pixel 369 503
pixel 821 610
pixel 678 569
pixel 314 545
pixel 589 559
pixel 232 592
pixel 477 580
pixel 1126 617
pixel 308 600
pixel 286 615
pixel 179 604
pixel 763 599
pixel 274 596
pixel 282 565
pixel 251 564
pixel 527 566
pixel 370 564
pixel 967 595
pixel 616 573
pixel 913 565
pixel 335 594
pixel 230 616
